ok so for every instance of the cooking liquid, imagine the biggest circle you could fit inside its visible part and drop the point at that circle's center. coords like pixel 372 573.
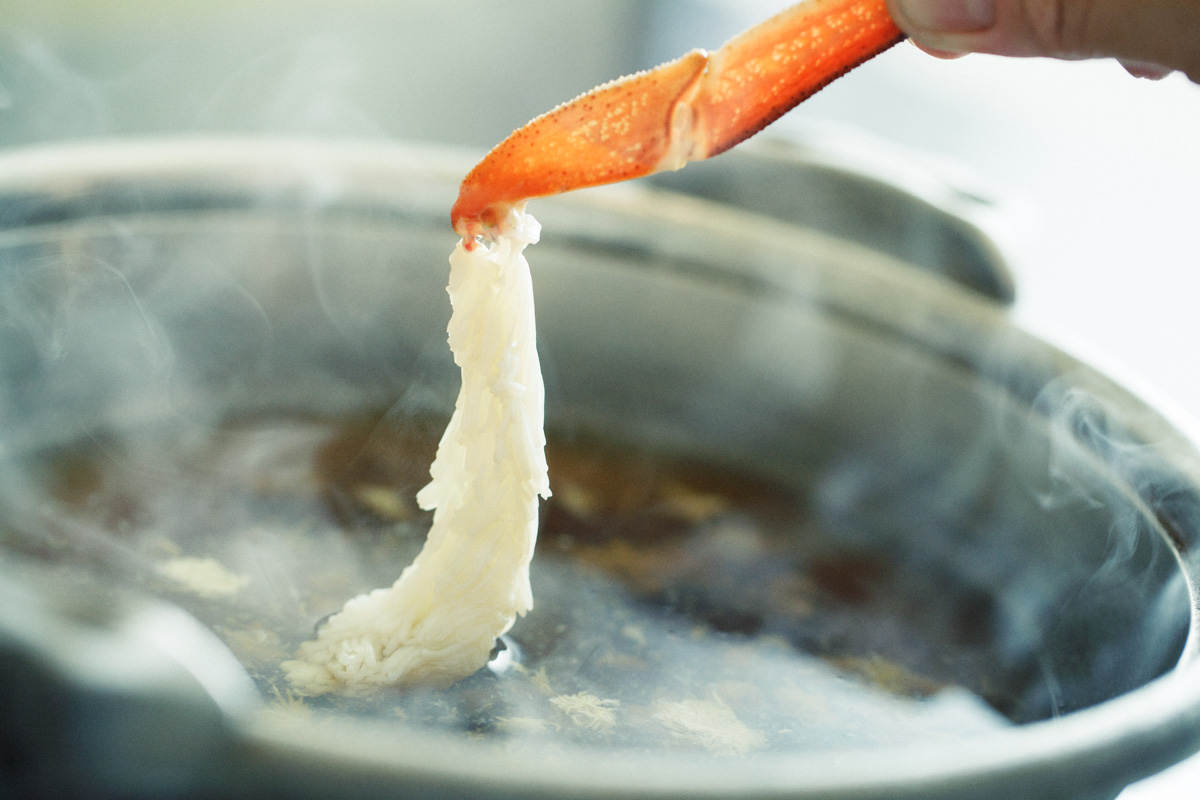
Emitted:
pixel 678 605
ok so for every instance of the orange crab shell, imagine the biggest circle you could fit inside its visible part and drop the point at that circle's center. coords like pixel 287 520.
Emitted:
pixel 685 110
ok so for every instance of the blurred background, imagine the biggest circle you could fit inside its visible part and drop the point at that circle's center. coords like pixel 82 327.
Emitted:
pixel 1094 176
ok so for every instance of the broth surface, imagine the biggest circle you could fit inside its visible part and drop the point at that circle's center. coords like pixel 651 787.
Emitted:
pixel 677 605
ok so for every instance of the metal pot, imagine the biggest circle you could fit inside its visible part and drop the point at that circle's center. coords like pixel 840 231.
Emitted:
pixel 985 547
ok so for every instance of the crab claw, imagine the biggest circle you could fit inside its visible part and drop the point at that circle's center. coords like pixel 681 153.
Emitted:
pixel 685 110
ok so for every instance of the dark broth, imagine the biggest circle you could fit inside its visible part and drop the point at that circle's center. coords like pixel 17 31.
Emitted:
pixel 677 604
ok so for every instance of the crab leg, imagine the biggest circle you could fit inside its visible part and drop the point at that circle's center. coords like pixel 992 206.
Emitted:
pixel 685 110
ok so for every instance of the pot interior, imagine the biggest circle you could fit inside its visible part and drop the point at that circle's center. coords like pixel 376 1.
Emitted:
pixel 782 519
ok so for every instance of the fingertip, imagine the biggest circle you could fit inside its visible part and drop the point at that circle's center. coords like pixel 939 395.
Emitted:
pixel 937 52
pixel 1144 70
pixel 943 28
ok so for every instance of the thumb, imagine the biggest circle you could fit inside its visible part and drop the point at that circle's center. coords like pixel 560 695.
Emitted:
pixel 1165 33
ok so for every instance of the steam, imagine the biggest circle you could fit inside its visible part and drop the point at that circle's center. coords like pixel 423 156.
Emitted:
pixel 1095 460
pixel 1044 488
pixel 56 88
pixel 44 96
pixel 1134 601
pixel 303 87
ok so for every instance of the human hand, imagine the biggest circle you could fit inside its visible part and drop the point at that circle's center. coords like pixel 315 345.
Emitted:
pixel 1150 38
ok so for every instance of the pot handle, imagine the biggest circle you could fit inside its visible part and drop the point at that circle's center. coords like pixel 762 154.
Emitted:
pixel 110 696
pixel 861 192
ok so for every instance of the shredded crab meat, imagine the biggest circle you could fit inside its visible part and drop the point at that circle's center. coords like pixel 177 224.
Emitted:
pixel 709 723
pixel 440 620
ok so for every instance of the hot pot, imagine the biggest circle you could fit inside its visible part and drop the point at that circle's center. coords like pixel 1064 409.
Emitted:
pixel 826 524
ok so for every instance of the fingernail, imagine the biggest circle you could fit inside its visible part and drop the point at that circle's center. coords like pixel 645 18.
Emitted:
pixel 949 16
